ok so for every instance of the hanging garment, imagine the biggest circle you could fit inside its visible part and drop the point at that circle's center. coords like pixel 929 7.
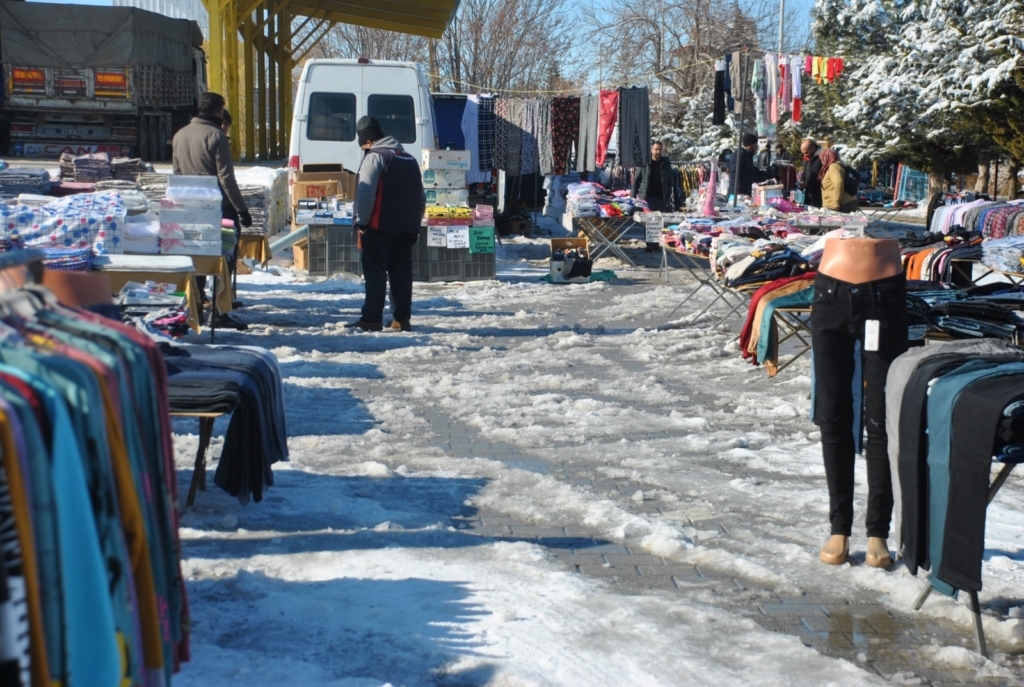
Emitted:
pixel 729 85
pixel 606 125
pixel 448 116
pixel 785 85
pixel 808 64
pixel 565 131
pixel 736 84
pixel 545 139
pixel 500 149
pixel 514 137
pixel 901 409
pixel 531 120
pixel 798 92
pixel 759 86
pixel 718 111
pixel 586 154
pixel 634 144
pixel 471 131
pixel 772 80
pixel 485 134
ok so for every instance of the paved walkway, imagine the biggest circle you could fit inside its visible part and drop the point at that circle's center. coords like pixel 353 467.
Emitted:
pixel 882 639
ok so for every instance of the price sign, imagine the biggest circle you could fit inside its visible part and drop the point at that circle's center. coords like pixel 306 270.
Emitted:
pixel 458 237
pixel 481 240
pixel 437 237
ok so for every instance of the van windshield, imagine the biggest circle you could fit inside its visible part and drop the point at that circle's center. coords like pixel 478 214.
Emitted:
pixel 396 114
pixel 332 117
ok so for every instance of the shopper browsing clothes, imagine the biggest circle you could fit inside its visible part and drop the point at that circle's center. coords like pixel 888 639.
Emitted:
pixel 833 183
pixel 653 183
pixel 389 206
pixel 810 150
pixel 201 149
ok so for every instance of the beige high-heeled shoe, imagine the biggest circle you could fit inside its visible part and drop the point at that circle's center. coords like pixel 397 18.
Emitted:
pixel 835 550
pixel 878 555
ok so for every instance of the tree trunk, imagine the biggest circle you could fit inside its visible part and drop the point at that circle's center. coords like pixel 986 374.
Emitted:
pixel 1012 180
pixel 936 183
pixel 984 162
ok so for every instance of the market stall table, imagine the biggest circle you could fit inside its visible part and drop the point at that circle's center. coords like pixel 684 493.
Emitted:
pixel 178 270
pixel 699 267
pixel 605 233
pixel 254 247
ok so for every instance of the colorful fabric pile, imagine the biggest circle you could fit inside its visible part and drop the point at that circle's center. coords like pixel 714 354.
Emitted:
pixel 92 168
pixel 68 259
pixel 127 168
pixel 88 219
pixel 759 337
pixel 1005 255
pixel 16 180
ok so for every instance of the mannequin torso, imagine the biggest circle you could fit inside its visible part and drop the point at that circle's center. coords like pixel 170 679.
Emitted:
pixel 860 260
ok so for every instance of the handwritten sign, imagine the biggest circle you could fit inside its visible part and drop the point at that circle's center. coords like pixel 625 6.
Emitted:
pixel 458 237
pixel 481 240
pixel 653 233
pixel 437 237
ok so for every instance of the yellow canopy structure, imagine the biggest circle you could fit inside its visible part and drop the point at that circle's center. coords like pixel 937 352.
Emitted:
pixel 254 46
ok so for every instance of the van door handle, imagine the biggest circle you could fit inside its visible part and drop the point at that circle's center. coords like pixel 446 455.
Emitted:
pixel 422 121
pixel 300 118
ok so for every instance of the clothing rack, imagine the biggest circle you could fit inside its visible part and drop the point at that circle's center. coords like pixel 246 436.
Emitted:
pixel 979 630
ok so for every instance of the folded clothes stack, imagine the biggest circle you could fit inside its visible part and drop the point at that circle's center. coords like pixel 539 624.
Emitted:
pixel 17 180
pixel 153 185
pixel 92 168
pixel 68 259
pixel 142 237
pixel 127 168
pixel 67 166
pixel 1005 255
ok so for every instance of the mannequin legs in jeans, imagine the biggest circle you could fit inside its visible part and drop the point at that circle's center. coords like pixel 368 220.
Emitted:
pixel 837 323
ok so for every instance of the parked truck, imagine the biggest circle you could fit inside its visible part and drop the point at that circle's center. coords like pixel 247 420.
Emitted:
pixel 85 79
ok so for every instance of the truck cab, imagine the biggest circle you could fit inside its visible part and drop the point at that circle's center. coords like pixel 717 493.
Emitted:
pixel 332 96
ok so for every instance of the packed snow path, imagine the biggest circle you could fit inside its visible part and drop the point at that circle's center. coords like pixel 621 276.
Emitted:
pixel 538 487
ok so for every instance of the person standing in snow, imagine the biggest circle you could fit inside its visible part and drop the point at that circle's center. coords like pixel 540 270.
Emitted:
pixel 811 186
pixel 654 185
pixel 389 207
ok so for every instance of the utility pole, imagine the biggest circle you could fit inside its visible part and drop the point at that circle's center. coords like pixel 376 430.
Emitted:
pixel 782 20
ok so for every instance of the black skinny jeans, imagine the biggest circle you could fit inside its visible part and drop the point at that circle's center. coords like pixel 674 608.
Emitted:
pixel 837 323
pixel 387 257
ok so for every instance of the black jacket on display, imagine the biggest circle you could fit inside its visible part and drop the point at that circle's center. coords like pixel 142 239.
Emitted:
pixel 812 184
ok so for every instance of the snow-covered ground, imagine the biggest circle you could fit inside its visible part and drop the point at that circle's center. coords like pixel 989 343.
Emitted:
pixel 518 399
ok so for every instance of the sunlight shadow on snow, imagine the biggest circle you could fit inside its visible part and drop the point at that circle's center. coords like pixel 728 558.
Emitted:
pixel 325 411
pixel 398 631
pixel 303 501
pixel 326 369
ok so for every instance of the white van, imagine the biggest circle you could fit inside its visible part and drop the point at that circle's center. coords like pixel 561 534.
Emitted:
pixel 334 94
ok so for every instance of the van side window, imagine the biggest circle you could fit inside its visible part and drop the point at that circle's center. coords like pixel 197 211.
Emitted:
pixel 396 114
pixel 332 117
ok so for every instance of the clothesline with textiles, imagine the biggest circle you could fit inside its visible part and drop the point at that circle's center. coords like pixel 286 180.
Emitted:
pixel 530 136
pixel 776 81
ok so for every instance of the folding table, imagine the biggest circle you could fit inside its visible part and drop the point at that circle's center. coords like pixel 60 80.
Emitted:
pixel 604 234
pixel 792 323
pixel 979 631
pixel 965 268
pixel 699 267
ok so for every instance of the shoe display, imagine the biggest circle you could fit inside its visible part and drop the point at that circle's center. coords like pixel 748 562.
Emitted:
pixel 401 326
pixel 365 326
pixel 229 322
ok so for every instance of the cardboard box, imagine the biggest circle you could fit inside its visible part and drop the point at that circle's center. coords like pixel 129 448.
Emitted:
pixel 447 159
pixel 314 189
pixel 580 245
pixel 448 222
pixel 450 196
pixel 443 178
pixel 300 255
pixel 346 183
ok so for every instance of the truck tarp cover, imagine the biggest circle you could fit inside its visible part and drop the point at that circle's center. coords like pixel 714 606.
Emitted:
pixel 69 36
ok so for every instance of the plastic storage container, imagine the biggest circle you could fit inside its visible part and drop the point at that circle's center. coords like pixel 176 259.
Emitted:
pixel 332 249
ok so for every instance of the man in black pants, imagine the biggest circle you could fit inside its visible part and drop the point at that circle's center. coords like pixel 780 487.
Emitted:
pixel 388 210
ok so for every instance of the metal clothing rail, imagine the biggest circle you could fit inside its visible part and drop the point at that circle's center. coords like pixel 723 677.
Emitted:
pixel 979 630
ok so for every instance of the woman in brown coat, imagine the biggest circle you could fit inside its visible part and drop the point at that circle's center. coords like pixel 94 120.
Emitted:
pixel 833 190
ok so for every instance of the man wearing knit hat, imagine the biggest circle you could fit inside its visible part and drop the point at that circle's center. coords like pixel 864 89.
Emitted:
pixel 747 173
pixel 388 210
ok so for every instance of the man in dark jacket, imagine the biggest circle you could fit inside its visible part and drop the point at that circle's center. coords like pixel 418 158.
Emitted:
pixel 809 149
pixel 388 210
pixel 653 183
pixel 747 174
pixel 202 149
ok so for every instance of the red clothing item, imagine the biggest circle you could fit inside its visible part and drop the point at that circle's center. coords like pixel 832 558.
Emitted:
pixel 797 103
pixel 748 324
pixel 609 114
